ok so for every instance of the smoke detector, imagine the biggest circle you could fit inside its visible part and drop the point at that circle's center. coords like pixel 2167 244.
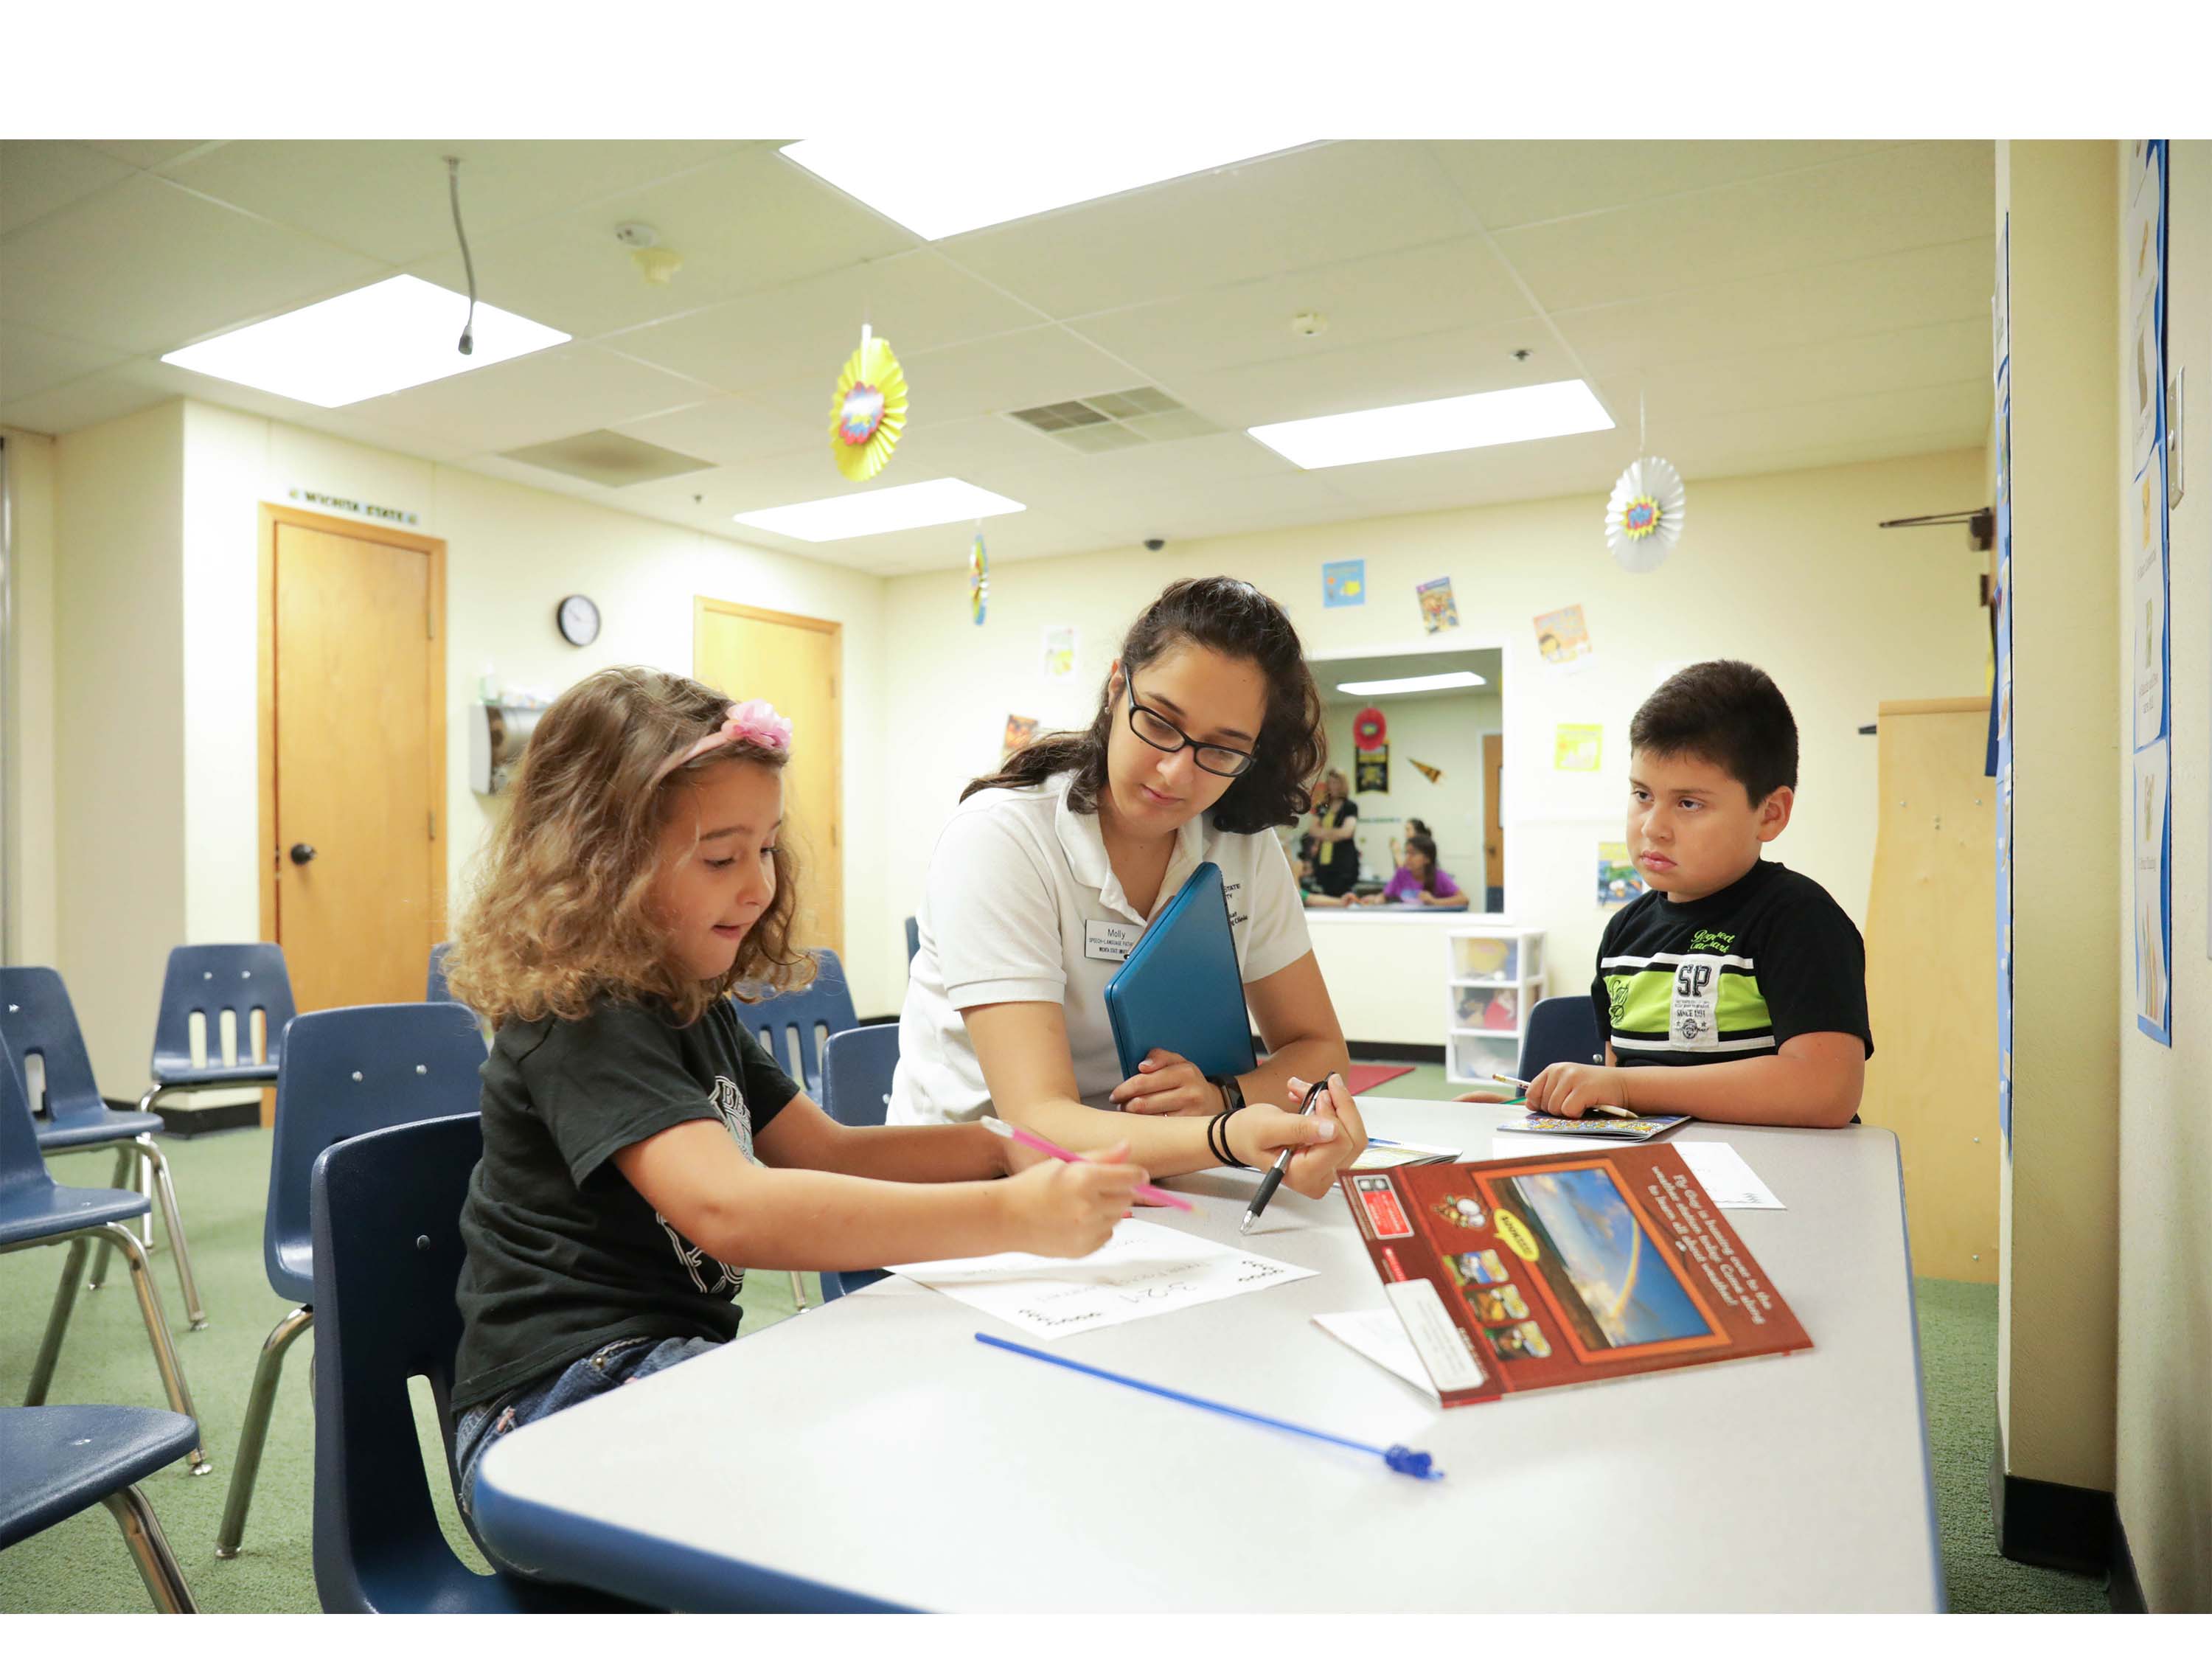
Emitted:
pixel 655 263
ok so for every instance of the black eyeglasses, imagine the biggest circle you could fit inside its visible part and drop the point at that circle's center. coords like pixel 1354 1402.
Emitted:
pixel 1165 735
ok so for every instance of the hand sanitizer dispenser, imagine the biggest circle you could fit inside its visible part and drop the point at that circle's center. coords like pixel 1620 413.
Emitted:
pixel 498 734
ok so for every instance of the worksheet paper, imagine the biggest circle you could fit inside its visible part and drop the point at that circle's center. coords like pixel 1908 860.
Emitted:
pixel 1145 1268
pixel 1380 1335
pixel 1728 1180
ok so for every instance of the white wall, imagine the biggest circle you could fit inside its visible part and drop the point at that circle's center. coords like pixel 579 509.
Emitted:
pixel 30 700
pixel 2164 1452
pixel 119 759
pixel 1786 569
pixel 1447 732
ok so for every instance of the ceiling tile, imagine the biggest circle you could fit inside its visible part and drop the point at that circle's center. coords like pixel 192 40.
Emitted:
pixel 147 267
pixel 751 221
pixel 807 329
pixel 149 152
pixel 1419 290
pixel 1446 365
pixel 1784 377
pixel 31 360
pixel 1521 181
pixel 1530 472
pixel 526 400
pixel 394 203
pixel 37 177
pixel 1882 202
pixel 1280 213
pixel 1910 421
pixel 1020 370
pixel 104 396
pixel 728 431
pixel 1948 281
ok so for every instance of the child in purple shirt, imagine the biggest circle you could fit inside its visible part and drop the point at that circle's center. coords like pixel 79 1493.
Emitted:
pixel 1418 879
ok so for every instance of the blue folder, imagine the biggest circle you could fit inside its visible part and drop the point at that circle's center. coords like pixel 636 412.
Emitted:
pixel 1180 990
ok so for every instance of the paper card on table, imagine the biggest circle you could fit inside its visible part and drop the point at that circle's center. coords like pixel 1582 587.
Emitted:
pixel 1594 1127
pixel 1728 1180
pixel 1392 1154
pixel 1377 1333
pixel 1145 1268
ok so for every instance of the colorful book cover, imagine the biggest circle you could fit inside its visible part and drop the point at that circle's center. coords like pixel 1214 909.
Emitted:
pixel 1596 1127
pixel 1545 1272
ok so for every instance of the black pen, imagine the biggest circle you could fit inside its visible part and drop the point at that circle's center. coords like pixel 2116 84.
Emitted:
pixel 1273 1178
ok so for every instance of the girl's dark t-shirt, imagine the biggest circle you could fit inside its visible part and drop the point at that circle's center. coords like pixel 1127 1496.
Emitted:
pixel 564 1256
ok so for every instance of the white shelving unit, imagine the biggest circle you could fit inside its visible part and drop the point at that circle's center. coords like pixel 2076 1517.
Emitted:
pixel 1493 974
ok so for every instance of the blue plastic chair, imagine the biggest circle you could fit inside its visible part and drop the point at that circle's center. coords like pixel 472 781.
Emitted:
pixel 857 1067
pixel 387 1253
pixel 39 1019
pixel 804 1020
pixel 913 937
pixel 62 1459
pixel 1560 1029
pixel 33 1211
pixel 213 980
pixel 346 1071
pixel 436 991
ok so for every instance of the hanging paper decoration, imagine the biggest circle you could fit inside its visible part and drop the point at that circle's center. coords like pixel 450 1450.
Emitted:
pixel 1369 729
pixel 1371 769
pixel 869 410
pixel 979 578
pixel 1643 520
pixel 1434 775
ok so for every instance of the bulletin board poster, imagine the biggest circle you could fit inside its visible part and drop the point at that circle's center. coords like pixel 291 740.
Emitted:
pixel 2149 624
pixel 2000 602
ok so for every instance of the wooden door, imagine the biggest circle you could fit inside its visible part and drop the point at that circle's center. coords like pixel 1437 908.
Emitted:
pixel 353 756
pixel 1493 836
pixel 796 663
pixel 1931 979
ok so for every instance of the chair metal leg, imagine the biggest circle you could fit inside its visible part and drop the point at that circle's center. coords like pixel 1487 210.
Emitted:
pixel 144 1184
pixel 798 1292
pixel 157 1329
pixel 267 1371
pixel 165 1191
pixel 157 1564
pixel 50 1349
pixel 124 1155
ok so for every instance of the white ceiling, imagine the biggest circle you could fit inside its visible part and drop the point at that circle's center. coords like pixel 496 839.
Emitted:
pixel 1774 304
pixel 1329 673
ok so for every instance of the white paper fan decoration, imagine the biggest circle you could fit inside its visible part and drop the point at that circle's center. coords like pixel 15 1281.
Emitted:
pixel 1643 520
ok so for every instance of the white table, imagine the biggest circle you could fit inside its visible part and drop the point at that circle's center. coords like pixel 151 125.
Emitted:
pixel 872 1451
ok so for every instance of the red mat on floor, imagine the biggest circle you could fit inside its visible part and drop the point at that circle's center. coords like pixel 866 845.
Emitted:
pixel 1360 1079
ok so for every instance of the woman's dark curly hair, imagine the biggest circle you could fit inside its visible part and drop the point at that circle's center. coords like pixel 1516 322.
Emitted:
pixel 1238 620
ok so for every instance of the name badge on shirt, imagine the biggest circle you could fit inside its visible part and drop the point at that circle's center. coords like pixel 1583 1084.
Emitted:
pixel 1110 941
pixel 1692 1019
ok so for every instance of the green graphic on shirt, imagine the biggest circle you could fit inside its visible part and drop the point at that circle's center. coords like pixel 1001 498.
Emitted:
pixel 1707 939
pixel 1642 1003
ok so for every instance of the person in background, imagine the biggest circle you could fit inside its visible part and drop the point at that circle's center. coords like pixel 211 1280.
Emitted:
pixel 1336 854
pixel 1414 827
pixel 1419 879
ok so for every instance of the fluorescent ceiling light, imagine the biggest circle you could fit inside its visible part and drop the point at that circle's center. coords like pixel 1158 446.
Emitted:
pixel 1432 427
pixel 875 512
pixel 1417 683
pixel 941 186
pixel 399 332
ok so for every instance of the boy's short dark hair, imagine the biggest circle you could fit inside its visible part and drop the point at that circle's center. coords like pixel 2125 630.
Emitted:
pixel 1729 714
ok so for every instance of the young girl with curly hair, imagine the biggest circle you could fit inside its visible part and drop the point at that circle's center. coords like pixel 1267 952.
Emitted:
pixel 640 1149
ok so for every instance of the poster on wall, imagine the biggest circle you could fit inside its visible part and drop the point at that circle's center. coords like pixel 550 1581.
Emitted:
pixel 2152 858
pixel 1344 581
pixel 1618 882
pixel 1021 732
pixel 1371 770
pixel 2000 600
pixel 1563 636
pixel 1578 748
pixel 1059 654
pixel 1439 611
pixel 2149 623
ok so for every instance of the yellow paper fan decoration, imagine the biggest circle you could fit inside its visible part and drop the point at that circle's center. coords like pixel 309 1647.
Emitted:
pixel 869 411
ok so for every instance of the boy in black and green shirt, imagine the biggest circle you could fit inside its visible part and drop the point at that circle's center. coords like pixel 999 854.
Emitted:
pixel 1734 989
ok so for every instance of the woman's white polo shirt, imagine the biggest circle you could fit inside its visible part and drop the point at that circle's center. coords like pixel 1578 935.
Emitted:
pixel 1021 906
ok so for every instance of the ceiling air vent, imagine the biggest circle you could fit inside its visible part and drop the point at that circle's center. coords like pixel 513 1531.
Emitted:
pixel 1115 420
pixel 608 458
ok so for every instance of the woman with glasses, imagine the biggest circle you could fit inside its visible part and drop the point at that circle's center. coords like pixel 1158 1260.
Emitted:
pixel 1207 738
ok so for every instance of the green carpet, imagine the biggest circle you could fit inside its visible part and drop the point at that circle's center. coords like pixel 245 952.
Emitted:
pixel 82 1566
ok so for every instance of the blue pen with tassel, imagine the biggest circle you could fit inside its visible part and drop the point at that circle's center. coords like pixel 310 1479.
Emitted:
pixel 1403 1459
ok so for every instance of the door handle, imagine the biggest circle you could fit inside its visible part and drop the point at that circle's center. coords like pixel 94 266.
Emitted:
pixel 302 852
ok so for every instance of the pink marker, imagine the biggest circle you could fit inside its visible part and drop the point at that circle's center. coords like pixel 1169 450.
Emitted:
pixel 999 1126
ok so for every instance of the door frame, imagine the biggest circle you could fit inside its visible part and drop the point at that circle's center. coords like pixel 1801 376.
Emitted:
pixel 702 606
pixel 273 517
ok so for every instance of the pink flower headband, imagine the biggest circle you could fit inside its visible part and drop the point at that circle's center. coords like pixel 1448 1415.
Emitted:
pixel 755 722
